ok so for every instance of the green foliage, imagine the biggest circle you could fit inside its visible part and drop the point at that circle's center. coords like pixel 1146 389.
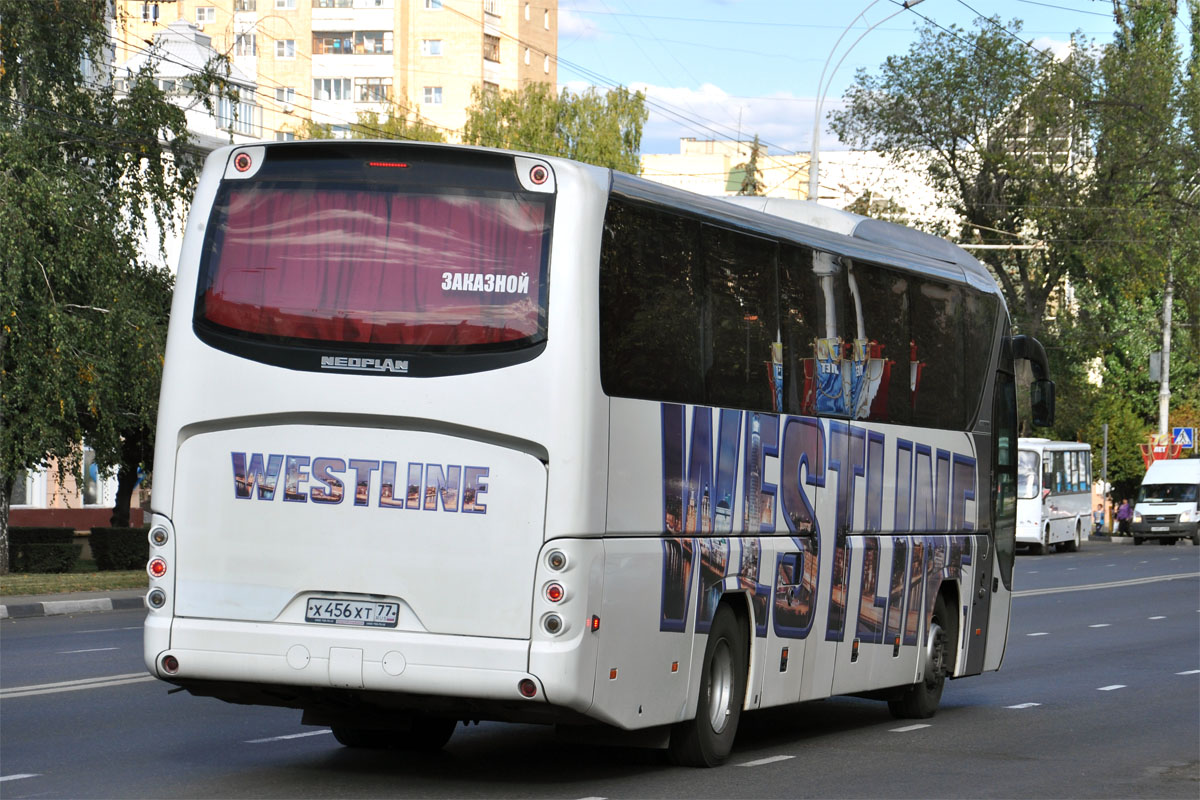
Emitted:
pixel 752 179
pixel 84 170
pixel 399 123
pixel 605 130
pixel 119 548
pixel 989 118
pixel 44 549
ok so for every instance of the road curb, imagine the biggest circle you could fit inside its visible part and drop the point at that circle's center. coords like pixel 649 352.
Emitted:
pixel 57 607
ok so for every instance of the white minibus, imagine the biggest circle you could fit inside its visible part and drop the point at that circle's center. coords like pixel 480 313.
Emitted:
pixel 1054 494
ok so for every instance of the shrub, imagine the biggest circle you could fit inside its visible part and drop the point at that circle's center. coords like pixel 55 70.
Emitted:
pixel 120 548
pixel 42 549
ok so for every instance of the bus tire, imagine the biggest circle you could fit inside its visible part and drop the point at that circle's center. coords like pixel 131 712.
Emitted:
pixel 1073 545
pixel 706 740
pixel 920 701
pixel 423 734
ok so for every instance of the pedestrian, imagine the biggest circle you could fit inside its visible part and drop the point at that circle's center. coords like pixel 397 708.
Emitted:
pixel 1124 515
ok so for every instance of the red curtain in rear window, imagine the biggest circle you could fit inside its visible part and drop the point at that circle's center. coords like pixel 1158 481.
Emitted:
pixel 369 267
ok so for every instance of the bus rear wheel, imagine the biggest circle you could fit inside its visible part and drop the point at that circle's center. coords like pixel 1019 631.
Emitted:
pixel 706 740
pixel 920 701
pixel 1073 545
pixel 423 734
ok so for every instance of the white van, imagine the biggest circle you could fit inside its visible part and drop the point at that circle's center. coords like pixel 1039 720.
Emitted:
pixel 1167 502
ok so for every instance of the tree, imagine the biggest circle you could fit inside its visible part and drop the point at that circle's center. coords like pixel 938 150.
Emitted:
pixel 399 123
pixel 605 130
pixel 83 171
pixel 752 180
pixel 992 119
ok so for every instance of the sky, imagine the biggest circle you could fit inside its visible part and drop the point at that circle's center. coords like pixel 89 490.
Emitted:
pixel 730 69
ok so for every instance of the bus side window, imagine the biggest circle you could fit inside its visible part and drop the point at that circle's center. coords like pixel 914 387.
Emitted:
pixel 650 309
pixel 806 299
pixel 878 320
pixel 740 319
pixel 937 350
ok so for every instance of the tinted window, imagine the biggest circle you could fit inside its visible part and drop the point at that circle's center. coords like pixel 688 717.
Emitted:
pixel 811 295
pixel 881 355
pixel 650 305
pixel 937 350
pixel 306 263
pixel 688 312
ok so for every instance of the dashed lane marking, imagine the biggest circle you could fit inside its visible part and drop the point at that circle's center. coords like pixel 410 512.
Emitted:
pixel 1189 672
pixel 20 777
pixel 1156 617
pixel 1039 633
pixel 289 736
pixel 1101 625
pixel 908 728
pixel 1025 705
pixel 92 650
pixel 1114 687
pixel 111 630
pixel 768 760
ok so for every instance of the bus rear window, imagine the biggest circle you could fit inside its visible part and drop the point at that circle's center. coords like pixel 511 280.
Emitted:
pixel 360 267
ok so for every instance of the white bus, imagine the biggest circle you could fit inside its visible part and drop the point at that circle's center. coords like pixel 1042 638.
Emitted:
pixel 1054 494
pixel 452 434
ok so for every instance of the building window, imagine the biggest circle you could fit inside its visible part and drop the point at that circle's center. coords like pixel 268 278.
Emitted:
pixel 431 47
pixel 433 95
pixel 373 42
pixel 491 7
pixel 491 48
pixel 357 42
pixel 285 136
pixel 285 5
pixel 245 45
pixel 245 5
pixel 205 14
pixel 546 65
pixel 527 56
pixel 527 12
pixel 149 12
pixel 339 131
pixel 331 89
pixel 285 48
pixel 490 88
pixel 333 3
pixel 546 20
pixel 241 115
pixel 433 5
pixel 372 90
pixel 29 489
pixel 285 94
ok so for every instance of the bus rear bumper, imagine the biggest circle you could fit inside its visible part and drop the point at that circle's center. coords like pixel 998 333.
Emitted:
pixel 336 657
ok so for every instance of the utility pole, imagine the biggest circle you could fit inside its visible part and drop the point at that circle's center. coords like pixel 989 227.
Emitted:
pixel 1164 386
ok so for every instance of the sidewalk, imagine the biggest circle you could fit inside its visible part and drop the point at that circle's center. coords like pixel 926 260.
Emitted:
pixel 45 605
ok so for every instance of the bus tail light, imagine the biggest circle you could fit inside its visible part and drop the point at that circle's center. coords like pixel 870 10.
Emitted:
pixel 242 162
pixel 526 687
pixel 594 626
pixel 170 664
pixel 553 624
pixel 159 536
pixel 157 567
pixel 555 592
pixel 157 598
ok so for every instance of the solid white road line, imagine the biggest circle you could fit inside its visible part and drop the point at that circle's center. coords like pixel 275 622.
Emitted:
pixel 761 761
pixel 290 736
pixel 908 728
pixel 1109 585
pixel 1189 672
pixel 75 686
pixel 1111 688
pixel 18 777
pixel 93 650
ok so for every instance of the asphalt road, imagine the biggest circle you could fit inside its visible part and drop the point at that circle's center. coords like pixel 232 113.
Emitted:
pixel 1099 696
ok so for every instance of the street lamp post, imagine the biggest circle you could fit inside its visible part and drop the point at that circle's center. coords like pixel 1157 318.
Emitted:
pixel 823 86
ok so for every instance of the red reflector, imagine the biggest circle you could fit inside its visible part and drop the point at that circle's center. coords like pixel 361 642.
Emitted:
pixel 595 623
pixel 612 674
pixel 674 666
pixel 157 567
pixel 393 164
pixel 170 664
pixel 527 688
pixel 555 592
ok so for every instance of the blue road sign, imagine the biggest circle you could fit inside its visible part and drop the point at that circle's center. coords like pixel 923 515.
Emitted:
pixel 1183 437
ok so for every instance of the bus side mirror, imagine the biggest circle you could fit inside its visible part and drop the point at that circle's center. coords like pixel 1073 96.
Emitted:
pixel 1041 394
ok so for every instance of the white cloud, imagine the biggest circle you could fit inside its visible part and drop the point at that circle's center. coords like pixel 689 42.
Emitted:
pixel 1059 48
pixel 782 120
pixel 574 26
